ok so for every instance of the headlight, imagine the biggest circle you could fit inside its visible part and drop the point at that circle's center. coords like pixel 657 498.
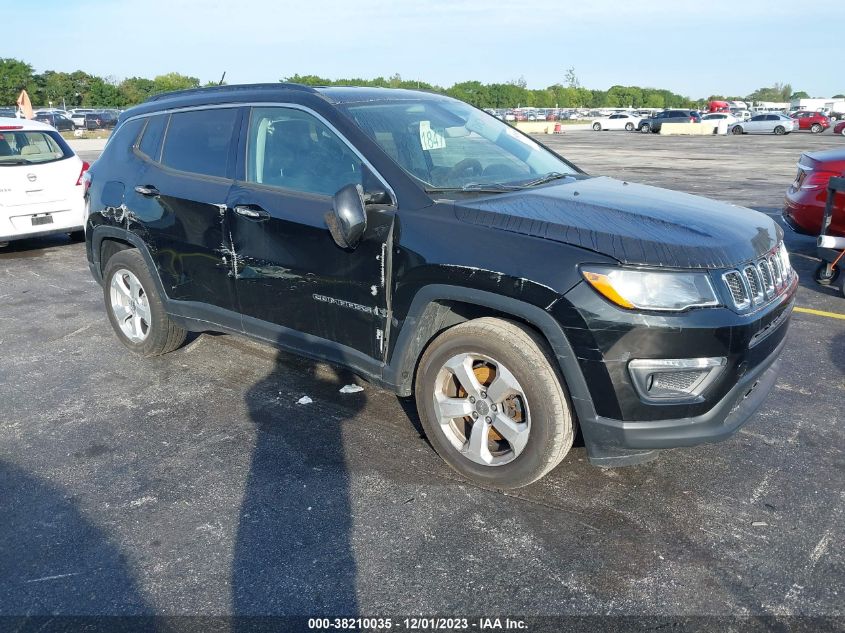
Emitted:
pixel 652 289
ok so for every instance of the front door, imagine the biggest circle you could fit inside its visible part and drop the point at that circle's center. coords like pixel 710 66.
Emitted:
pixel 293 281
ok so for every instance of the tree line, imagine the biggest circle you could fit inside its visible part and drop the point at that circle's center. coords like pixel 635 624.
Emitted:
pixel 79 88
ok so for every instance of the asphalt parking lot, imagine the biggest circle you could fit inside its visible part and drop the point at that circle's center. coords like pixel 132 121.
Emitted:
pixel 194 484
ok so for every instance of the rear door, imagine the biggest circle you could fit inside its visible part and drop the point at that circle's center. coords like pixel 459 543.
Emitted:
pixel 181 202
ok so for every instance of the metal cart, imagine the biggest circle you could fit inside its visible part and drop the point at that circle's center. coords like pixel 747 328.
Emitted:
pixel 829 270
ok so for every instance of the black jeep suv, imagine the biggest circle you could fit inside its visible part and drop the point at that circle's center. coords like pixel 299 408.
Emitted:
pixel 439 252
pixel 655 123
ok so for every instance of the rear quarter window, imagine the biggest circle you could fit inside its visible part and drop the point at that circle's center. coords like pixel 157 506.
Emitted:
pixel 125 136
pixel 150 144
pixel 199 141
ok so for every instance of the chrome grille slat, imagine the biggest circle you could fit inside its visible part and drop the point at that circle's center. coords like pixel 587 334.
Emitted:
pixel 760 281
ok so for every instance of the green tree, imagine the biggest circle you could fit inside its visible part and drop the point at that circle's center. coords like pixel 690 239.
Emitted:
pixel 839 96
pixel 101 94
pixel 135 90
pixel 799 95
pixel 15 75
pixel 174 81
pixel 775 92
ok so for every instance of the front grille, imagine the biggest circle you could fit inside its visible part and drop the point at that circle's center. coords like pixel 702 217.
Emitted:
pixel 759 282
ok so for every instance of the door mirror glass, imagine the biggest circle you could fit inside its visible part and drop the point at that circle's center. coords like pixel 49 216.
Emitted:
pixel 347 220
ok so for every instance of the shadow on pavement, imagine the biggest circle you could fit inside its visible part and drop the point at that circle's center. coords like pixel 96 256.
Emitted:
pixel 54 561
pixel 293 551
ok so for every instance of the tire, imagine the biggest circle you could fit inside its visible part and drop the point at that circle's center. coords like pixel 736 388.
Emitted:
pixel 816 128
pixel 737 129
pixel 537 405
pixel 646 128
pixel 597 127
pixel 629 127
pixel 843 131
pixel 780 130
pixel 822 277
pixel 161 335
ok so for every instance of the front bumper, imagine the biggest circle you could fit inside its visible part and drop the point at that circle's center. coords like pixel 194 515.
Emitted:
pixel 618 443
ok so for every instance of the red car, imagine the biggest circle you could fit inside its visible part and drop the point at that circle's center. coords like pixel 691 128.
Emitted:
pixel 814 121
pixel 839 128
pixel 805 199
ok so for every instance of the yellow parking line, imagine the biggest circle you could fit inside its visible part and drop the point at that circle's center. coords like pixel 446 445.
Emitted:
pixel 830 315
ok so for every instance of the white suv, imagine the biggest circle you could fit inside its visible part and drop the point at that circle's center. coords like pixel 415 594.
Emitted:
pixel 41 182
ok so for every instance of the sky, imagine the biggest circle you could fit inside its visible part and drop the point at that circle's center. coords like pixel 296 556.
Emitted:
pixel 692 48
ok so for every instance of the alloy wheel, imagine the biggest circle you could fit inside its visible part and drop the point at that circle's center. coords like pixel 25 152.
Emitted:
pixel 130 305
pixel 482 409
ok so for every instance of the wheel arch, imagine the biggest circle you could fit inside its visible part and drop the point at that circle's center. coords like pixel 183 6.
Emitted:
pixel 108 240
pixel 436 308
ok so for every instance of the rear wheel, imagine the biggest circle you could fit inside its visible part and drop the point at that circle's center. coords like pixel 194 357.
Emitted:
pixel 492 404
pixel 135 308
pixel 842 132
pixel 780 129
pixel 597 127
pixel 816 128
pixel 629 126
pixel 736 129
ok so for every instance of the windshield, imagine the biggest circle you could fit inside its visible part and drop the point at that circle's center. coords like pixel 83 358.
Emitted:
pixel 31 147
pixel 448 145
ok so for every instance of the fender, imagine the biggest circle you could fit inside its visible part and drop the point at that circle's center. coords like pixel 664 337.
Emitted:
pixel 409 344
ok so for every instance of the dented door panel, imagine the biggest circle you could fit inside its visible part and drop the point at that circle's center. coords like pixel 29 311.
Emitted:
pixel 292 274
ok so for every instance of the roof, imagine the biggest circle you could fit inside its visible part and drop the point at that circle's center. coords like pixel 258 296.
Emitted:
pixel 26 124
pixel 359 94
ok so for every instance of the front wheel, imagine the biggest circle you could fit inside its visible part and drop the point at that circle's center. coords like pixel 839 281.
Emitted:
pixel 780 130
pixel 646 128
pixel 492 404
pixel 816 128
pixel 135 309
pixel 629 127
pixel 597 127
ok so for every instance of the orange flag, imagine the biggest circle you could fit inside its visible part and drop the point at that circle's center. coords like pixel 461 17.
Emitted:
pixel 25 105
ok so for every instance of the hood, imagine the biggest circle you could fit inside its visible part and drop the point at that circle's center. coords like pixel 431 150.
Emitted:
pixel 635 224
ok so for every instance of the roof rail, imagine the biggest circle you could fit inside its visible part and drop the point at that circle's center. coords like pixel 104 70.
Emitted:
pixel 229 88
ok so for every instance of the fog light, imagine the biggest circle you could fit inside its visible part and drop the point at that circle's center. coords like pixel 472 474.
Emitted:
pixel 674 380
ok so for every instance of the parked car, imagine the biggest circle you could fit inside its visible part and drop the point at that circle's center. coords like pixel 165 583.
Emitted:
pixel 719 116
pixel 100 121
pixel 41 191
pixel 816 122
pixel 375 228
pixel 765 124
pixel 616 122
pixel 803 206
pixel 77 115
pixel 655 123
pixel 839 128
pixel 8 113
pixel 61 123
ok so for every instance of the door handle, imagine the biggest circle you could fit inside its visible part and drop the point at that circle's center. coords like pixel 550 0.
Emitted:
pixel 147 190
pixel 253 213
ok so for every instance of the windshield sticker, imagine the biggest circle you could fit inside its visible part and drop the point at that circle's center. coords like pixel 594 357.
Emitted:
pixel 430 139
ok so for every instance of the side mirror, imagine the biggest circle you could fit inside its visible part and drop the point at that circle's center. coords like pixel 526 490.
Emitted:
pixel 347 221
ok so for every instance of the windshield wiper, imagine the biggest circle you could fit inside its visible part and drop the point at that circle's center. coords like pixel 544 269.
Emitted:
pixel 552 175
pixel 474 187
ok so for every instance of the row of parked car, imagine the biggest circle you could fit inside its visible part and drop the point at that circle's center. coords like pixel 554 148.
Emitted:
pixel 69 120
pixel 734 123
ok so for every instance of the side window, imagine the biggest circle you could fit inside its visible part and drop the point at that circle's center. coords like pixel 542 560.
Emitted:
pixel 293 149
pixel 151 140
pixel 199 141
pixel 126 135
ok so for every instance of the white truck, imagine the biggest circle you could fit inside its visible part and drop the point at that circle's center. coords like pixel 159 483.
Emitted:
pixel 835 109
